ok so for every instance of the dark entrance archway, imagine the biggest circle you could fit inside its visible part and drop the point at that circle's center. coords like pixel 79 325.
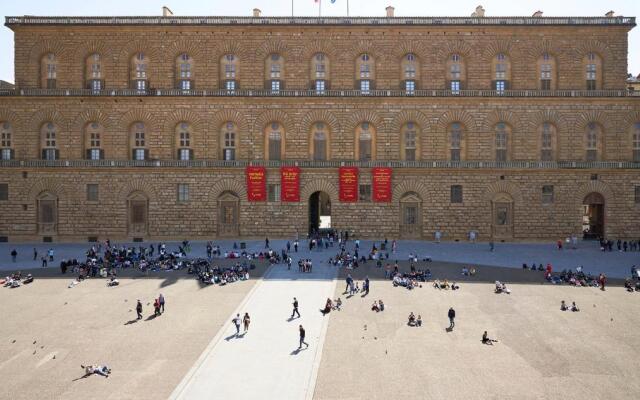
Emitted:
pixel 593 216
pixel 319 212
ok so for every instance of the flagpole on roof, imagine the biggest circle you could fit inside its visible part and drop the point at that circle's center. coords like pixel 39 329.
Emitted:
pixel 292 8
pixel 320 8
pixel 347 8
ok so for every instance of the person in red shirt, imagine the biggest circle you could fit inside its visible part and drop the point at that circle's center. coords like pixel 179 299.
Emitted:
pixel 602 279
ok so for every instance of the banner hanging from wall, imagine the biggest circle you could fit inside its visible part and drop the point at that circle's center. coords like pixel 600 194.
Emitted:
pixel 290 184
pixel 381 184
pixel 256 184
pixel 348 179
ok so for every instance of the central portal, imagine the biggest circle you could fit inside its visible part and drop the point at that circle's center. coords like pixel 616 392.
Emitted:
pixel 319 212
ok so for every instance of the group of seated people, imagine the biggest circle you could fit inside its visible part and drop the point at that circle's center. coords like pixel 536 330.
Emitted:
pixel 577 278
pixel 15 280
pixel 469 271
pixel 219 275
pixel 414 321
pixel 539 267
pixel 344 259
pixel 501 287
pixel 438 284
pixel 630 286
pixel 563 306
pixel 377 306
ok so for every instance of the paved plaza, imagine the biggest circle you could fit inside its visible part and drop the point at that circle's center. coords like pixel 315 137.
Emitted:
pixel 192 352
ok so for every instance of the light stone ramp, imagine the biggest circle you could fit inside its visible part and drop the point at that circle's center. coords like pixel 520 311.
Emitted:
pixel 264 363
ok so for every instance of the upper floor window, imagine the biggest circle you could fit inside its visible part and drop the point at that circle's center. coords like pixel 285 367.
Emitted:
pixel 319 141
pixel 593 71
pixel 139 71
pixel 6 148
pixel 48 71
pixel 592 141
pixel 49 141
pixel 93 141
pixel 501 72
pixel 365 140
pixel 365 72
pixel 319 72
pixel 184 72
pixel 636 142
pixel 274 71
pixel 229 71
pixel 228 140
pixel 274 136
pixel 501 144
pixel 409 72
pixel 138 141
pixel 455 142
pixel 409 140
pixel 456 73
pixel 183 141
pixel 547 72
pixel 547 139
pixel 93 72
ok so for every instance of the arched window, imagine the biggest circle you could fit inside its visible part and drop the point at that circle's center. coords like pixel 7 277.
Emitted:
pixel 365 73
pixel 93 72
pixel 183 141
pixel 456 142
pixel 274 136
pixel 139 71
pixel 138 141
pixel 547 72
pixel 274 71
pixel 48 71
pixel 410 143
pixel 49 141
pixel 229 72
pixel 184 72
pixel 410 72
pixel 635 139
pixel 502 142
pixel 93 141
pixel 320 141
pixel 593 71
pixel 592 141
pixel 501 68
pixel 6 144
pixel 365 137
pixel 547 142
pixel 228 137
pixel 456 73
pixel 320 72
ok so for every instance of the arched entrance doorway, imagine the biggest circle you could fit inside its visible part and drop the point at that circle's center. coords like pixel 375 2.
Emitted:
pixel 410 216
pixel 229 214
pixel 593 216
pixel 319 212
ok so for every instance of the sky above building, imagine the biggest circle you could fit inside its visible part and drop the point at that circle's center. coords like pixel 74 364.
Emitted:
pixel 310 8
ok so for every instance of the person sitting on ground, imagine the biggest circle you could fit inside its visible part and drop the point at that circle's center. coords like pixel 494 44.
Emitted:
pixel 574 308
pixel 327 307
pixel 103 370
pixel 498 287
pixel 505 289
pixel 472 271
pixel 524 266
pixel 445 285
pixel 455 286
pixel 337 304
pixel 627 285
pixel 487 340
pixel 381 305
pixel 375 307
pixel 28 279
pixel 113 281
pixel 436 284
pixel 419 321
pixel 563 306
pixel 465 271
pixel 412 319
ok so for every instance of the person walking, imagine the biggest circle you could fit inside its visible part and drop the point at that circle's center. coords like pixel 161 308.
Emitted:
pixel 266 243
pixel 156 307
pixel 246 320
pixel 288 246
pixel 602 280
pixel 295 246
pixel 161 299
pixel 452 315
pixel 35 254
pixel 139 309
pixel 14 254
pixel 295 308
pixel 491 246
pixel 236 322
pixel 366 285
pixel 50 253
pixel 349 281
pixel 302 334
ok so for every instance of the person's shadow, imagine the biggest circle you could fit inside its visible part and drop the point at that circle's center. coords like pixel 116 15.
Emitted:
pixel 291 319
pixel 133 321
pixel 448 329
pixel 364 294
pixel 297 351
pixel 152 316
pixel 235 336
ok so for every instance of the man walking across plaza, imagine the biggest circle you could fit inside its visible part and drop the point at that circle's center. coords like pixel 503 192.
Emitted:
pixel 161 300
pixel 295 308
pixel 35 254
pixel 349 281
pixel 366 285
pixel 302 334
pixel 139 309
pixel 14 254
pixel 452 317
pixel 236 321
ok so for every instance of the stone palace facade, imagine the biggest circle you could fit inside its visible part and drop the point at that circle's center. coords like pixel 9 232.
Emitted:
pixel 517 128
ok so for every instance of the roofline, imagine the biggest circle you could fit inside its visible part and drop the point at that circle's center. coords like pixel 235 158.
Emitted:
pixel 346 21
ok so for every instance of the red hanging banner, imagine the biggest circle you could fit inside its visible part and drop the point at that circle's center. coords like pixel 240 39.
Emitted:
pixel 348 184
pixel 381 184
pixel 290 184
pixel 256 184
